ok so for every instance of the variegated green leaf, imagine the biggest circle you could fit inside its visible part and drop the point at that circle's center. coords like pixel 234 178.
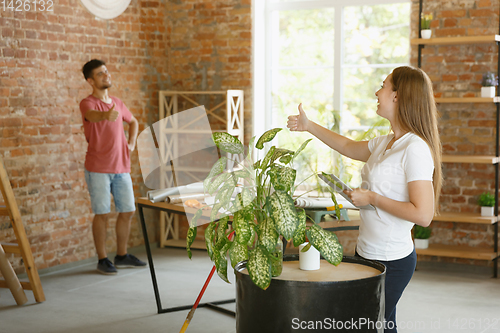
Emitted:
pixel 333 181
pixel 299 236
pixel 266 137
pixel 220 236
pixel 238 252
pixel 228 143
pixel 217 169
pixel 282 210
pixel 259 267
pixel 267 158
pixel 248 196
pixel 327 243
pixel 215 211
pixel 241 227
pixel 251 241
pixel 242 174
pixel 301 148
pixel 209 239
pixel 237 204
pixel 191 235
pixel 216 182
pixel 273 173
pixel 287 177
pixel 196 217
pixel 276 258
pixel 249 156
pixel 306 248
pixel 225 194
pixel 337 208
pixel 280 152
pixel 282 178
pixel 276 254
pixel 249 212
pixel 286 159
pixel 256 165
pixel 268 235
pixel 220 261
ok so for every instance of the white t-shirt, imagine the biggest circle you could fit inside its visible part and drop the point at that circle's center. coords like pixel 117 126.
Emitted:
pixel 383 236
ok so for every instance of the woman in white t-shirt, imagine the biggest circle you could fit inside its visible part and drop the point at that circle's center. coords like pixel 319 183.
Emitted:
pixel 402 176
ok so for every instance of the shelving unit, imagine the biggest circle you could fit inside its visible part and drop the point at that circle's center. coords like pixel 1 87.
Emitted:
pixel 456 40
pixel 465 218
pixel 458 251
pixel 478 159
pixel 232 123
pixel 467 100
pixel 464 251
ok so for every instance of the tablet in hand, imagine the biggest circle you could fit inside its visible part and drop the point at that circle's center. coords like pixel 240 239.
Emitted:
pixel 339 187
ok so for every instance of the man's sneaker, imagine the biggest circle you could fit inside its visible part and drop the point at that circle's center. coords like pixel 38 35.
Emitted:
pixel 105 266
pixel 128 261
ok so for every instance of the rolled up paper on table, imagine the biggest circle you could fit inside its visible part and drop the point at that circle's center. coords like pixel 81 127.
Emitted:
pixel 179 198
pixel 307 202
pixel 162 194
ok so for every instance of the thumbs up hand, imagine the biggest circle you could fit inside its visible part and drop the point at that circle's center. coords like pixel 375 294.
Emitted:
pixel 298 122
pixel 111 115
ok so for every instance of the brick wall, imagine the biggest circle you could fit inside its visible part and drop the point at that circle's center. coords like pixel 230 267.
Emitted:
pixel 41 137
pixel 467 129
pixel 190 45
pixel 210 48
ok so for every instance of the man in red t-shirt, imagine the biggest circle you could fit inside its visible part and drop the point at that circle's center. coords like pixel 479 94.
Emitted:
pixel 107 165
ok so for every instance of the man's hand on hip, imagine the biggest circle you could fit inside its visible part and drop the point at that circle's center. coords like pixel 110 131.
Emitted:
pixel 131 146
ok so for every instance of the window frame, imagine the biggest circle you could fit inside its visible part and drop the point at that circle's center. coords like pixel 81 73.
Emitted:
pixel 262 57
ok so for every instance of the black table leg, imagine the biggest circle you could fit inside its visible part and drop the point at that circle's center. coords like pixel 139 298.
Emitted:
pixel 212 305
pixel 215 306
pixel 150 258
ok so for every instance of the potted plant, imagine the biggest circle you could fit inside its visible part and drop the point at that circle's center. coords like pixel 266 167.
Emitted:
pixel 421 235
pixel 489 82
pixel 258 195
pixel 487 202
pixel 425 25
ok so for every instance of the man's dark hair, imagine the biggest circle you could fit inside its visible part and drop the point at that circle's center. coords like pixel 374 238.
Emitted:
pixel 90 66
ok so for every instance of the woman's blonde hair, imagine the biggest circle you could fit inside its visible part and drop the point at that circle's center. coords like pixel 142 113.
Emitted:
pixel 418 114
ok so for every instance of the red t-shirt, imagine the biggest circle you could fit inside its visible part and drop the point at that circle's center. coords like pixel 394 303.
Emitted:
pixel 107 151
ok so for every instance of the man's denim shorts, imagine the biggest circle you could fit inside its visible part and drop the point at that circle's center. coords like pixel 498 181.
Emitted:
pixel 101 185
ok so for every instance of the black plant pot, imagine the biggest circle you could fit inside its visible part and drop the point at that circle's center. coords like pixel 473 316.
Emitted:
pixel 355 305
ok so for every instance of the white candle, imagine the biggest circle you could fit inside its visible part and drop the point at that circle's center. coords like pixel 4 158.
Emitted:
pixel 309 260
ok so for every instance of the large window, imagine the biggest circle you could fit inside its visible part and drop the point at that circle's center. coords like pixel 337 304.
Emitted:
pixel 332 56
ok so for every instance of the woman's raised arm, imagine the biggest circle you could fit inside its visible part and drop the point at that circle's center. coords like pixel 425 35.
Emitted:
pixel 357 150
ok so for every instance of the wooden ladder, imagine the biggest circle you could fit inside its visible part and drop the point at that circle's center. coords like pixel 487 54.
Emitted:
pixel 22 245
